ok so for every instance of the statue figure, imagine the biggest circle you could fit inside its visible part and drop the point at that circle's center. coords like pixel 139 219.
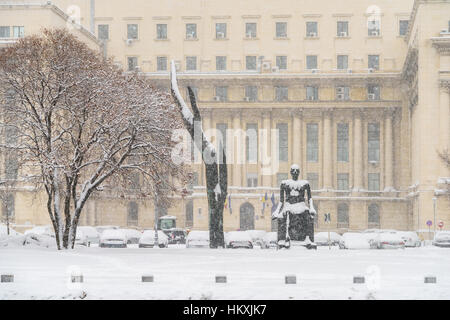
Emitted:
pixel 295 217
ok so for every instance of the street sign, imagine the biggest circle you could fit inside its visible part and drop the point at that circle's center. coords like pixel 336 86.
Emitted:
pixel 441 224
pixel 429 223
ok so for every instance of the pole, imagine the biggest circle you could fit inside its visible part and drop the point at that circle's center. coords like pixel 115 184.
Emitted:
pixel 156 245
pixel 329 237
pixel 434 215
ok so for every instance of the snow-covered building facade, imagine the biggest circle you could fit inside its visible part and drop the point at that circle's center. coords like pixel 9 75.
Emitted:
pixel 356 93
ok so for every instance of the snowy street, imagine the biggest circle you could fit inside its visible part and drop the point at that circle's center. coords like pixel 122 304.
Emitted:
pixel 181 273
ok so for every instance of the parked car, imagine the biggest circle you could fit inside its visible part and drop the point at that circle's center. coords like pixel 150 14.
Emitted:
pixel 387 240
pixel 147 239
pixel 257 237
pixel 91 234
pixel 133 235
pixel 100 229
pixel 270 240
pixel 238 239
pixel 176 235
pixel 353 240
pixel 410 238
pixel 321 238
pixel 197 239
pixel 81 238
pixel 113 238
pixel 41 230
pixel 442 239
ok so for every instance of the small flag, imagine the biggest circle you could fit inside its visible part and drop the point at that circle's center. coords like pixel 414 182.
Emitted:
pixel 274 204
pixel 229 203
pixel 225 205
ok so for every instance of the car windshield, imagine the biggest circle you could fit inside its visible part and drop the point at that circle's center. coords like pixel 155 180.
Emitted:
pixel 167 223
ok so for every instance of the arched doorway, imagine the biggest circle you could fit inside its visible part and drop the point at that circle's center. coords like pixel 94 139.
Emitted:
pixel 247 217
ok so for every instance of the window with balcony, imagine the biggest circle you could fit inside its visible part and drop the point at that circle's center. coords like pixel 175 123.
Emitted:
pixel 161 31
pixel 283 142
pixel 250 63
pixel 132 32
pixel 342 142
pixel 251 93
pixel 221 30
pixel 342 62
pixel 312 142
pixel 281 93
pixel 373 182
pixel 251 144
pixel 311 62
pixel 373 142
pixel 281 29
pixel 374 62
pixel 311 29
pixel 191 31
pixel 250 30
pixel 342 181
pixel 191 63
pixel 281 62
pixel 342 29
pixel 373 28
pixel 373 92
pixel 312 93
pixel 221 63
pixel 342 215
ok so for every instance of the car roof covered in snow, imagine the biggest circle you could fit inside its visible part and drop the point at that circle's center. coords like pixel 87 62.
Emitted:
pixel 114 233
pixel 150 234
pixel 198 235
pixel 167 217
pixel 88 231
pixel 238 236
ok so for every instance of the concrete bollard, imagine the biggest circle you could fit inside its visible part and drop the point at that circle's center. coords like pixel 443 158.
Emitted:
pixel 147 278
pixel 359 279
pixel 430 279
pixel 7 278
pixel 290 279
pixel 77 278
pixel 221 279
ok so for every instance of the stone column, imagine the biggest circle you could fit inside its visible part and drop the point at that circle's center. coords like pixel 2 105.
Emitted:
pixel 327 151
pixel 388 152
pixel 265 150
pixel 296 137
pixel 357 152
pixel 236 149
pixel 444 115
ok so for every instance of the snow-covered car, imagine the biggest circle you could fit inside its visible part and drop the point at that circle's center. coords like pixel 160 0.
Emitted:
pixel 81 238
pixel 387 240
pixel 176 235
pixel 147 239
pixel 4 231
pixel 257 237
pixel 133 235
pixel 197 239
pixel 41 230
pixel 270 240
pixel 442 239
pixel 354 240
pixel 410 238
pixel 238 239
pixel 100 229
pixel 321 238
pixel 113 238
pixel 91 234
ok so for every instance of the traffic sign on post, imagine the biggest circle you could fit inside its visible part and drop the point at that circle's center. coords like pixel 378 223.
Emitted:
pixel 429 223
pixel 441 224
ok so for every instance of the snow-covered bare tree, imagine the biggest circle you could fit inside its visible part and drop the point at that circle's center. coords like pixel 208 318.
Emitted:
pixel 215 168
pixel 82 123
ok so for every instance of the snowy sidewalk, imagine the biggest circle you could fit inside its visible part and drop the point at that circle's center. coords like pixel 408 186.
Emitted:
pixel 181 273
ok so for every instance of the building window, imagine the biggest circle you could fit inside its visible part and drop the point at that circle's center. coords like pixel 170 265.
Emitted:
pixel 312 93
pixel 8 207
pixel 222 93
pixel 373 92
pixel 373 216
pixel 251 144
pixel 103 31
pixel 161 31
pixel 5 32
pixel 342 93
pixel 132 63
pixel 373 131
pixel 221 30
pixel 250 63
pixel 132 31
pixel 191 31
pixel 189 214
pixel 311 29
pixel 374 62
pixel 342 215
pixel 221 63
pixel 342 62
pixel 281 93
pixel 313 179
pixel 311 62
pixel 191 63
pixel 283 141
pixel 281 30
pixel 342 28
pixel 342 142
pixel 342 181
pixel 161 63
pixel 221 129
pixel 250 30
pixel 133 214
pixel 281 62
pixel 373 28
pixel 281 177
pixel 18 31
pixel 374 182
pixel 312 142
pixel 403 27
pixel 252 180
pixel 251 93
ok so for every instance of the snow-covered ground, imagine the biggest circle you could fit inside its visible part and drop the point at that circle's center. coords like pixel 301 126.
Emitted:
pixel 180 273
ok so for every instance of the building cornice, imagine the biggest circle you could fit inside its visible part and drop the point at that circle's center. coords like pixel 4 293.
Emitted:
pixel 442 44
